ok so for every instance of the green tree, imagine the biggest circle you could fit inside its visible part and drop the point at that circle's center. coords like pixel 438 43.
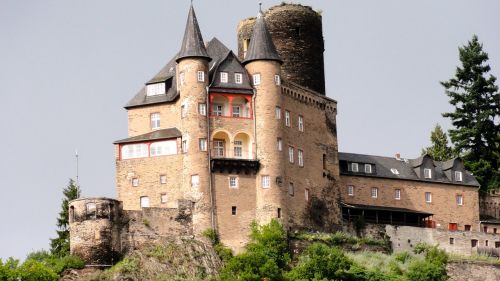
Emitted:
pixel 476 114
pixel 439 150
pixel 59 246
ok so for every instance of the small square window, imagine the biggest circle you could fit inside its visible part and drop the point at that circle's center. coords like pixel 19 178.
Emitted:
pixel 287 118
pixel 291 189
pixel 163 198
pixel 280 144
pixel 278 112
pixel 427 173
pixel 201 76
pixel 217 109
pixel 368 168
pixel 233 210
pixel 202 109
pixel 238 78
pixel 203 144
pixel 374 192
pixel 350 190
pixel 236 110
pixel 195 181
pixel 467 227
pixel 354 167
pixel 256 79
pixel 428 197
pixel 290 154
pixel 301 123
pixel 458 176
pixel 233 182
pixel 266 182
pixel 144 202
pixel 135 182
pixel 277 79
pixel 163 179
pixel 397 194
pixel 460 200
pixel 223 77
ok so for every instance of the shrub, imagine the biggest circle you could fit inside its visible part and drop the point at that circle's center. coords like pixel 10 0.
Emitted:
pixel 54 263
pixel 426 271
pixel 211 235
pixel 402 257
pixel 127 265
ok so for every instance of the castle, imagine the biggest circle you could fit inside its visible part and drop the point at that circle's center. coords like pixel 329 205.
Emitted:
pixel 217 140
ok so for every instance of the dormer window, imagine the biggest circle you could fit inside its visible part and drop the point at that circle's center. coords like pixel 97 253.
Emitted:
pixel 368 169
pixel 394 171
pixel 223 77
pixel 354 167
pixel 427 173
pixel 238 78
pixel 155 89
pixel 458 176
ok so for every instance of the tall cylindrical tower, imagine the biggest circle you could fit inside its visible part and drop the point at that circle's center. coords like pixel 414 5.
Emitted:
pixel 264 66
pixel 192 77
pixel 297 33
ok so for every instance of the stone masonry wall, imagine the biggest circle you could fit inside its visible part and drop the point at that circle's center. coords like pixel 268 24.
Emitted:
pixel 139 118
pixel 467 271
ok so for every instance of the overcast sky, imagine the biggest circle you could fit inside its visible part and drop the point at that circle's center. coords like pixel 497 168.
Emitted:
pixel 68 67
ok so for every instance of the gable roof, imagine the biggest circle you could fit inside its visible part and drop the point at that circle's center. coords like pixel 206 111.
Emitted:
pixel 231 65
pixel 383 166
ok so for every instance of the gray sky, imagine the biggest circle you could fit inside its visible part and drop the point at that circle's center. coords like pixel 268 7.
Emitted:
pixel 68 67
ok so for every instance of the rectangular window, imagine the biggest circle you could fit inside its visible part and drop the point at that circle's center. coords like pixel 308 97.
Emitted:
pixel 452 241
pixel 238 149
pixel 374 192
pixel 280 144
pixel 238 78
pixel 223 77
pixel 458 176
pixel 201 76
pixel 460 200
pixel 233 210
pixel 473 243
pixel 287 118
pixel 397 194
pixel 278 112
pixel 217 110
pixel 486 243
pixel 467 227
pixel 195 181
pixel 300 155
pixel 183 111
pixel 266 181
pixel 184 146
pixel 428 197
pixel 306 194
pixel 350 190
pixel 290 154
pixel 301 123
pixel 354 167
pixel 144 202
pixel 291 189
pixel 453 226
pixel 155 89
pixel 368 168
pixel 256 79
pixel 277 79
pixel 233 182
pixel 163 198
pixel 203 144
pixel 155 121
pixel 202 109
pixel 485 229
pixel 131 151
pixel 427 173
pixel 219 148
pixel 279 213
pixel 163 179
pixel 236 111
pixel 182 78
pixel 135 182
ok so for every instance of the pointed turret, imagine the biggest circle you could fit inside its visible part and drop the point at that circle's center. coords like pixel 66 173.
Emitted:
pixel 261 44
pixel 192 44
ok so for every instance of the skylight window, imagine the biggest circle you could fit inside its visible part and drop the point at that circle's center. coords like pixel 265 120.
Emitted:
pixel 394 171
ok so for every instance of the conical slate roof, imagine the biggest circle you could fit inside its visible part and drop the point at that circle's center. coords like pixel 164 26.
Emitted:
pixel 261 44
pixel 192 44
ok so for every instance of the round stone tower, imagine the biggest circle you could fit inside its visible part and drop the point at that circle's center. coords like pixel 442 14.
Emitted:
pixel 192 77
pixel 297 34
pixel 264 67
pixel 94 225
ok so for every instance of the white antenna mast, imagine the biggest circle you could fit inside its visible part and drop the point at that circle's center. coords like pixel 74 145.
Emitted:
pixel 76 156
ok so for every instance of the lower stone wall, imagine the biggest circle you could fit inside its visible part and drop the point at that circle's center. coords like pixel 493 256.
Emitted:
pixel 466 271
pixel 465 243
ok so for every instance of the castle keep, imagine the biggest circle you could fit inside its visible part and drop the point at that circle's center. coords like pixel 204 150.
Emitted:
pixel 217 140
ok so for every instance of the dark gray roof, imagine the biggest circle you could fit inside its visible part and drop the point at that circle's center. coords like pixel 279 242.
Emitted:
pixel 142 99
pixel 231 65
pixel 382 208
pixel 405 167
pixel 217 52
pixel 192 44
pixel 261 44
pixel 154 135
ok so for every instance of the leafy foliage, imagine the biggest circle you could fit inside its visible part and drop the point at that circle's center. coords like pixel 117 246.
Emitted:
pixel 55 263
pixel 476 99
pixel 439 150
pixel 59 246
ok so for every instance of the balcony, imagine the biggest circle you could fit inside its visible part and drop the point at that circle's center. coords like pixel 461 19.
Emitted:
pixel 234 165
pixel 233 153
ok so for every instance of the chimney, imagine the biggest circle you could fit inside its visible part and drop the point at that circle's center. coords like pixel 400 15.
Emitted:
pixel 398 156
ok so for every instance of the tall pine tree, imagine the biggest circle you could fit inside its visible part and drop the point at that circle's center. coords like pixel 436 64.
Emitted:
pixel 476 114
pixel 439 150
pixel 59 246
